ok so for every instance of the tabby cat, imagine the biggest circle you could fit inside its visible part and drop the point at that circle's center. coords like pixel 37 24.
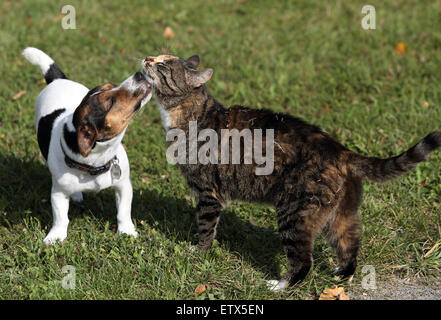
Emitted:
pixel 316 182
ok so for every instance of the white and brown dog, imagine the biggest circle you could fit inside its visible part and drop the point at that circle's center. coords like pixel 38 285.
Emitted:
pixel 79 132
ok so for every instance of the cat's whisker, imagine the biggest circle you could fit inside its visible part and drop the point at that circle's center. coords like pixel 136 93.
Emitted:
pixel 135 59
pixel 280 147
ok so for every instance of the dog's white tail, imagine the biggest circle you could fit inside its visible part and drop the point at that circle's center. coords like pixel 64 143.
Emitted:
pixel 48 67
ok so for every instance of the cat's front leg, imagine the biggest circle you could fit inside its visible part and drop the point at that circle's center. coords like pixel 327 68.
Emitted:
pixel 208 210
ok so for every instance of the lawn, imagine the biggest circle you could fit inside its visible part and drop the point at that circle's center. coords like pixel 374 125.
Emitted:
pixel 311 59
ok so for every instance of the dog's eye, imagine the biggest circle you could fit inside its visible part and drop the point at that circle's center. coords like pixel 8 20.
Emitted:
pixel 107 127
pixel 112 101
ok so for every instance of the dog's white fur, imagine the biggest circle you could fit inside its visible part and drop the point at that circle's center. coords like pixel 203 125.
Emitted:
pixel 68 182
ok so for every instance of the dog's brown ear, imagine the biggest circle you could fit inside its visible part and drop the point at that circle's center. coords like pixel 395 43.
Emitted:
pixel 87 135
pixel 106 86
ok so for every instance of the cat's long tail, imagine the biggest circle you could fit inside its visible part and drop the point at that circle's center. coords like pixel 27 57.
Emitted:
pixel 379 170
pixel 47 66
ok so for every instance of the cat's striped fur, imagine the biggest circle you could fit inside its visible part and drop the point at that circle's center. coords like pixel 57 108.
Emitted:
pixel 316 182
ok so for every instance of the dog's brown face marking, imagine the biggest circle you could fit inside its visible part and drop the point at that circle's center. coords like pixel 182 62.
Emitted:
pixel 104 113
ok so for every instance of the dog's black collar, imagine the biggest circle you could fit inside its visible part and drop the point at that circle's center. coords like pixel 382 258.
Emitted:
pixel 93 171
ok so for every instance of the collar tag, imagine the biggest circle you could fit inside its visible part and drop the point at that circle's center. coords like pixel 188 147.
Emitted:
pixel 115 170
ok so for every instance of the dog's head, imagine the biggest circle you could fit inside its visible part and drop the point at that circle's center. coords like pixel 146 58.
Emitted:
pixel 106 110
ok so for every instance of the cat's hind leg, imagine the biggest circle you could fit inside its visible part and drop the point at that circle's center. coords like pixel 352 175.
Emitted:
pixel 343 230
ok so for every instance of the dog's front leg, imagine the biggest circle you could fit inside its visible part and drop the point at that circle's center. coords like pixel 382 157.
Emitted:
pixel 60 207
pixel 124 195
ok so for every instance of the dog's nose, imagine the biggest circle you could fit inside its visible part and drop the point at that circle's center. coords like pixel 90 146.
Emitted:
pixel 139 76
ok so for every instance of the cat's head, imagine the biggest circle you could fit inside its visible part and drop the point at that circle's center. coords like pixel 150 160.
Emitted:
pixel 173 76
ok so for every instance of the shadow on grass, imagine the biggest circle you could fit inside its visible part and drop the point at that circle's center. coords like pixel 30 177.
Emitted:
pixel 25 185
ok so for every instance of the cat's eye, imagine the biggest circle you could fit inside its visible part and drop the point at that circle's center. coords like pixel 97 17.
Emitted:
pixel 161 66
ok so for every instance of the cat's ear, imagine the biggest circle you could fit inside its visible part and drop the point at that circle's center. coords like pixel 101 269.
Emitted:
pixel 194 61
pixel 198 78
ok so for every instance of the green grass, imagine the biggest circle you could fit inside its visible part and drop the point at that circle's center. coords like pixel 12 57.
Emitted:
pixel 309 58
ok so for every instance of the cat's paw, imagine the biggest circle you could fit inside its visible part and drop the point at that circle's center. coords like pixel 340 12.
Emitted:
pixel 338 273
pixel 58 234
pixel 77 197
pixel 276 285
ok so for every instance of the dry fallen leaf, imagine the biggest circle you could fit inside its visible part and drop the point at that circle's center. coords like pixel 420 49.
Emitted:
pixel 6 4
pixel 335 293
pixel 145 179
pixel 59 17
pixel 168 33
pixel 18 95
pixel 325 109
pixel 428 253
pixel 200 289
pixel 400 48
pixel 426 104
pixel 191 29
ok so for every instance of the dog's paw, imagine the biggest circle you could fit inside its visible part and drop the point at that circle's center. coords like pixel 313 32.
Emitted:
pixel 128 230
pixel 276 285
pixel 55 235
pixel 77 197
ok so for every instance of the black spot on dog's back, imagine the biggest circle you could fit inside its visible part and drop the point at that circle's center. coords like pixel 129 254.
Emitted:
pixel 44 131
pixel 70 137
